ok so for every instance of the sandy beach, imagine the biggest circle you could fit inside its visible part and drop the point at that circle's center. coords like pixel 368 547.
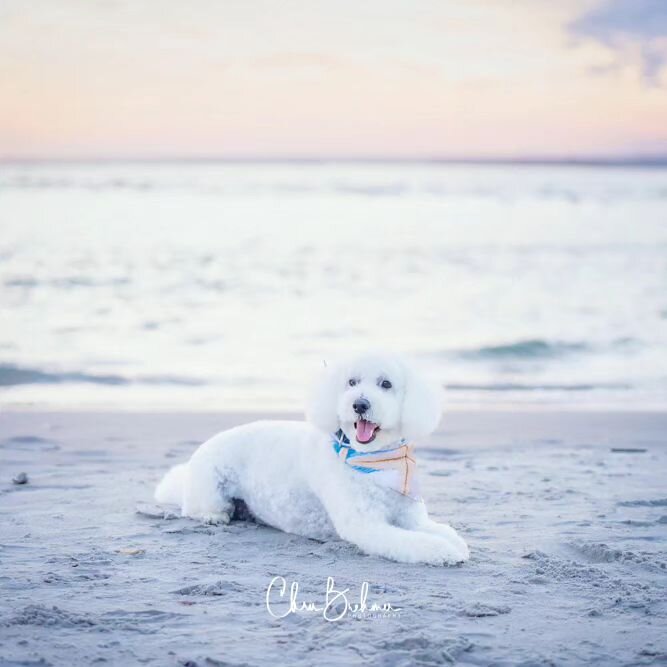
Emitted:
pixel 565 514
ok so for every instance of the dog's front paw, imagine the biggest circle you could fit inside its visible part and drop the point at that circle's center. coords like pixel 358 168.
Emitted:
pixel 217 519
pixel 456 554
pixel 440 551
pixel 456 545
pixel 212 518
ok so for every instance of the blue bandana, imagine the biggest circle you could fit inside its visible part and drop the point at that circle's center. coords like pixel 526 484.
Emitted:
pixel 392 468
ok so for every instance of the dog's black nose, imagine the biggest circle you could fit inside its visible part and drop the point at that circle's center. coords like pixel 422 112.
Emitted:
pixel 361 405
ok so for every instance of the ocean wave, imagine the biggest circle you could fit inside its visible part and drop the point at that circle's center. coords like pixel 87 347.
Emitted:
pixel 547 387
pixel 532 348
pixel 259 188
pixel 374 181
pixel 12 375
pixel 65 282
pixel 537 348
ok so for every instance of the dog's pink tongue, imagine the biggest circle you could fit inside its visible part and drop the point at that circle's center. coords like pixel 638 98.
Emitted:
pixel 365 430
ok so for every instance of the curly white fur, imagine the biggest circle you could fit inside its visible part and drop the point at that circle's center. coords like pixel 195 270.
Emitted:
pixel 290 478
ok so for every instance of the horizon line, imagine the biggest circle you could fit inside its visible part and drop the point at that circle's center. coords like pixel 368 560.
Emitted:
pixel 628 160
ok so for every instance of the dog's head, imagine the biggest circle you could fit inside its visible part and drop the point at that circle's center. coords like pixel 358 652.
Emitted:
pixel 375 400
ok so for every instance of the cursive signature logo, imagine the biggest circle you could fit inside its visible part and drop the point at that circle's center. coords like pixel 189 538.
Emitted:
pixel 281 602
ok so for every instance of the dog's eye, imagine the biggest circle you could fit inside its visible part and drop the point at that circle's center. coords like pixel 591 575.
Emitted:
pixel 385 384
pixel 352 382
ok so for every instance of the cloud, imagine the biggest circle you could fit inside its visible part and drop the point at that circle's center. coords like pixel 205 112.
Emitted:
pixel 635 27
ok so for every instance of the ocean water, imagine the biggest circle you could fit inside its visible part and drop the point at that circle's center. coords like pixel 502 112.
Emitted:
pixel 225 286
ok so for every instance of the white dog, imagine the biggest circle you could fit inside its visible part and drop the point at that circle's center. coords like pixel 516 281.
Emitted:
pixel 348 471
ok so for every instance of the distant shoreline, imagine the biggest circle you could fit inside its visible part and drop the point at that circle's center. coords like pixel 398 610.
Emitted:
pixel 658 162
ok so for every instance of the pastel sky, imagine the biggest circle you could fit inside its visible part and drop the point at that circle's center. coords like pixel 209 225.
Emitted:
pixel 318 78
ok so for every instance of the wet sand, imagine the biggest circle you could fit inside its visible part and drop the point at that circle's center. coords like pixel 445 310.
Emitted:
pixel 565 514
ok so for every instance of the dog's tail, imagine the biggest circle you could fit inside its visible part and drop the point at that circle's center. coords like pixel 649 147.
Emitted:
pixel 170 489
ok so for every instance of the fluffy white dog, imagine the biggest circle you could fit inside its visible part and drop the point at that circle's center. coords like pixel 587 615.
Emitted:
pixel 348 472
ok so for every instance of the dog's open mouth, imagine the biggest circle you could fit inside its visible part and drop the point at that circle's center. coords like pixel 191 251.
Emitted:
pixel 365 431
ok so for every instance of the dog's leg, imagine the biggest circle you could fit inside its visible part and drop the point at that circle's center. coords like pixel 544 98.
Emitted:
pixel 204 494
pixel 374 536
pixel 401 545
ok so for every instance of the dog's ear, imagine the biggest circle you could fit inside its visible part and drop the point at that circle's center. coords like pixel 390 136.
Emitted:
pixel 322 403
pixel 422 405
